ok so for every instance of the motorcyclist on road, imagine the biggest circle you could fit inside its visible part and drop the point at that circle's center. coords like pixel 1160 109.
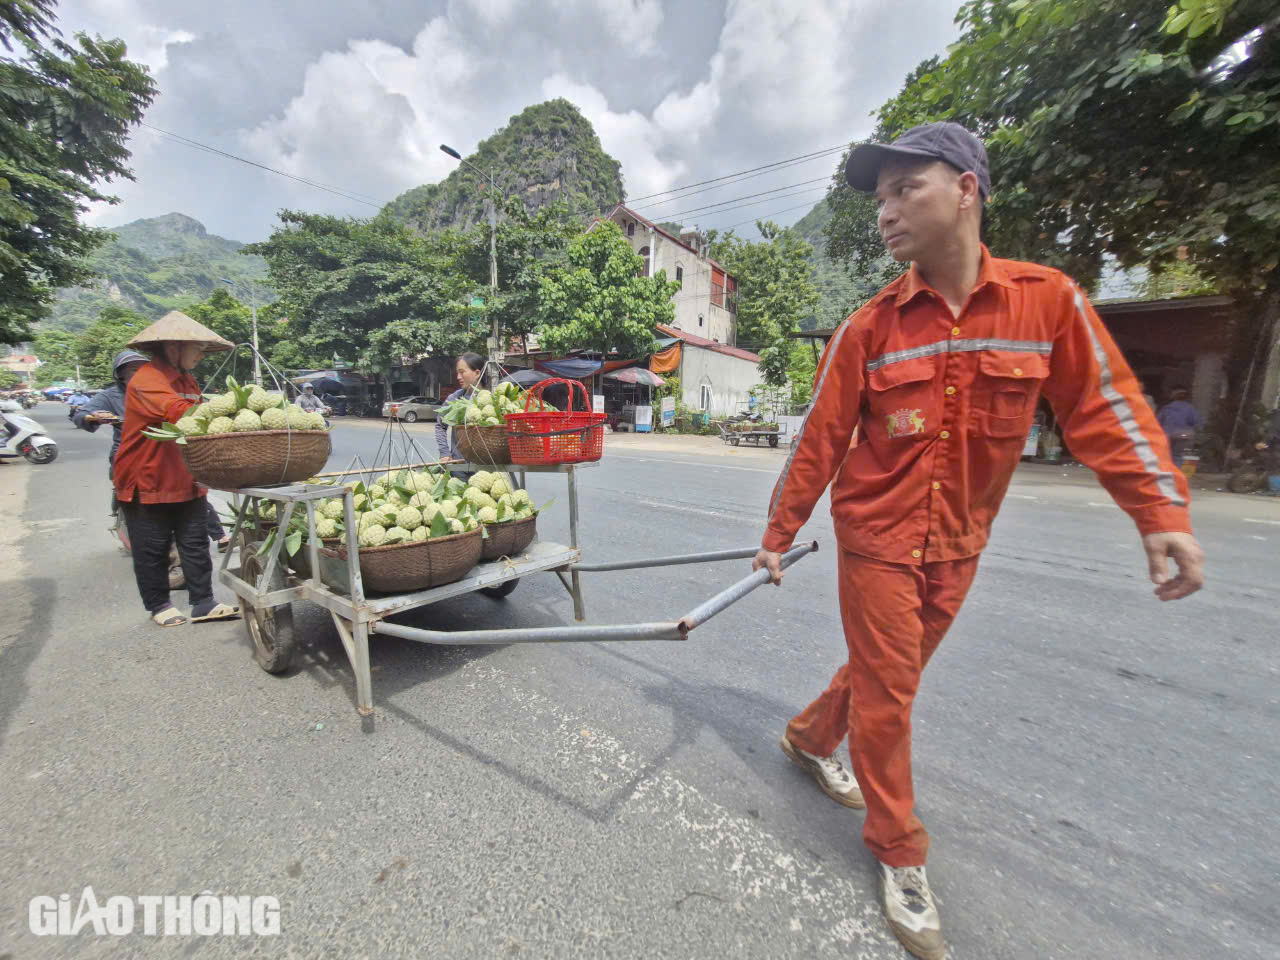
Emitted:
pixel 310 402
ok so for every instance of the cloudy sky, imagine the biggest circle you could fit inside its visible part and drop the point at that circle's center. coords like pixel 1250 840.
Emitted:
pixel 358 96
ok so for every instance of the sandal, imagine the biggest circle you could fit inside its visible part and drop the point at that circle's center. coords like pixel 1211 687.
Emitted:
pixel 219 611
pixel 168 617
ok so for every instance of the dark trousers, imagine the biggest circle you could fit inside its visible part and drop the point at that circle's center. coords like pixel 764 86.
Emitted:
pixel 151 528
pixel 216 532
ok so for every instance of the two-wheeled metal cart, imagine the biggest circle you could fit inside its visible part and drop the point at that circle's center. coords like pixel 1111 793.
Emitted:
pixel 267 586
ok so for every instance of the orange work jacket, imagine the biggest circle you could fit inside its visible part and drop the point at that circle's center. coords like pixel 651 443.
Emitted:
pixel 158 393
pixel 944 404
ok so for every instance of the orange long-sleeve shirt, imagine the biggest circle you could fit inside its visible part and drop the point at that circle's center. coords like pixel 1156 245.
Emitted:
pixel 158 393
pixel 945 403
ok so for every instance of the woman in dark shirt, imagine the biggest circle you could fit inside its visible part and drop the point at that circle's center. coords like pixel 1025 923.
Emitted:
pixel 469 368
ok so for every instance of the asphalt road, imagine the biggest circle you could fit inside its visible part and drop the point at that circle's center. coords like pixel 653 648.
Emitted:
pixel 1099 772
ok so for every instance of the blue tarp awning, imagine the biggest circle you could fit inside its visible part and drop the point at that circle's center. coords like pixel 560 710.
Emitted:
pixel 572 369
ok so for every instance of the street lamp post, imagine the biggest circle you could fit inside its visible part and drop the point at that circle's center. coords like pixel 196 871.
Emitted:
pixel 253 300
pixel 492 210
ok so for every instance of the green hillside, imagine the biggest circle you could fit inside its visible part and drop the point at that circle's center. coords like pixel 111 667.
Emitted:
pixel 547 152
pixel 155 265
pixel 840 294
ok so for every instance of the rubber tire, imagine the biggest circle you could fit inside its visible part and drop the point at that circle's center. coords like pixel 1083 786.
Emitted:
pixel 271 630
pixel 34 455
pixel 773 441
pixel 734 441
pixel 504 589
pixel 411 417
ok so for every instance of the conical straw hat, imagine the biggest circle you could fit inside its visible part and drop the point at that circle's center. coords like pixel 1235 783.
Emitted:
pixel 177 326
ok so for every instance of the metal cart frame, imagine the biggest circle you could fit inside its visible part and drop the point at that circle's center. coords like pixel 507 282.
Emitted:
pixel 266 585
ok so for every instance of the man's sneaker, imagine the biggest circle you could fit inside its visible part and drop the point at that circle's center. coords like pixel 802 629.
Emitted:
pixel 837 782
pixel 909 908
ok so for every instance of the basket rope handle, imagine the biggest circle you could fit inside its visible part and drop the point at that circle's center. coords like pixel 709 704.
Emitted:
pixel 539 387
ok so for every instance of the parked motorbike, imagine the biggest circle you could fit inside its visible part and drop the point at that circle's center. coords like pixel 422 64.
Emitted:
pixel 23 437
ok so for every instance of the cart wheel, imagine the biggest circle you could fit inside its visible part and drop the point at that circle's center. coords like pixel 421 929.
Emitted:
pixel 773 441
pixel 270 628
pixel 734 441
pixel 504 589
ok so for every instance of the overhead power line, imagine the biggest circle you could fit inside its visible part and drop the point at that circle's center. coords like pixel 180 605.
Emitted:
pixel 726 183
pixel 187 141
pixel 736 202
pixel 727 176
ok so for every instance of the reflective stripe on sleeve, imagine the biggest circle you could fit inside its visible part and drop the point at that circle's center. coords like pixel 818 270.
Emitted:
pixel 1124 413
pixel 817 392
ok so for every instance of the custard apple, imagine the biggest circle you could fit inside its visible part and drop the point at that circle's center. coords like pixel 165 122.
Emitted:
pixel 368 520
pixel 377 492
pixel 373 535
pixel 315 421
pixel 297 417
pixel 474 415
pixel 201 412
pixel 223 405
pixel 274 418
pixel 456 526
pixel 482 480
pixel 397 535
pixel 326 528
pixel 483 398
pixel 333 509
pixel 521 498
pixel 409 517
pixel 220 425
pixel 247 420
pixel 190 426
pixel 359 500
pixel 260 400
pixel 524 513
pixel 419 533
pixel 449 508
pixel 499 488
pixel 487 515
pixel 421 500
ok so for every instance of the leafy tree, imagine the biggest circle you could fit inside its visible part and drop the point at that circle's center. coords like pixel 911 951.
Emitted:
pixel 599 300
pixel 57 352
pixel 1122 129
pixel 372 286
pixel 97 344
pixel 528 245
pixel 775 281
pixel 9 380
pixel 65 112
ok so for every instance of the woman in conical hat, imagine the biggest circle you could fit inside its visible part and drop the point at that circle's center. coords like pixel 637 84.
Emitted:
pixel 162 501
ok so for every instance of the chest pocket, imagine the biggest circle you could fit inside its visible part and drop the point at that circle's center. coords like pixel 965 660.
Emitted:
pixel 1006 391
pixel 901 399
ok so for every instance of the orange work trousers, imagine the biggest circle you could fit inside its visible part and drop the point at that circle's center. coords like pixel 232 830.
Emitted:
pixel 895 615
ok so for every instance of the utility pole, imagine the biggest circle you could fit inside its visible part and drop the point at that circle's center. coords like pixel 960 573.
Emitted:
pixel 253 300
pixel 492 209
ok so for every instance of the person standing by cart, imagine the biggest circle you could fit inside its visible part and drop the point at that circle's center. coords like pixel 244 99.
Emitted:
pixel 469 368
pixel 161 499
pixel 941 372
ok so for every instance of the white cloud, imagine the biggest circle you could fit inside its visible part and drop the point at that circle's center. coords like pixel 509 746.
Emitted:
pixel 151 45
pixel 634 22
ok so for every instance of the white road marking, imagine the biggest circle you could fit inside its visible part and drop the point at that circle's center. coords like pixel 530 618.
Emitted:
pixel 1274 523
pixel 692 463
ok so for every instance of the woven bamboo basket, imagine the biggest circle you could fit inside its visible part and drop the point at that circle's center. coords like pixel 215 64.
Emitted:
pixel 509 539
pixel 301 561
pixel 486 445
pixel 419 564
pixel 229 461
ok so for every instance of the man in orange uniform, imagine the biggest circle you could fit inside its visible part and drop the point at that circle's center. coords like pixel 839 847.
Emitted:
pixel 941 372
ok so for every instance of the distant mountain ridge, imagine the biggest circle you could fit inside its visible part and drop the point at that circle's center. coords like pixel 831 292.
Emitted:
pixel 547 152
pixel 156 265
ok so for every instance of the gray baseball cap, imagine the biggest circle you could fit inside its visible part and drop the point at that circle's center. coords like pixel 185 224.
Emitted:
pixel 945 141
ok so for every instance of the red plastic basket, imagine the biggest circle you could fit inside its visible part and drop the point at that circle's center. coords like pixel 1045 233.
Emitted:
pixel 546 437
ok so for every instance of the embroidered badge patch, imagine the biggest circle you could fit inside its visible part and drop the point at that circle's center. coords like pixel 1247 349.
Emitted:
pixel 902 423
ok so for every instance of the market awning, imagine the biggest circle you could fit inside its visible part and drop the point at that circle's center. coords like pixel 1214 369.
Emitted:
pixel 330 381
pixel 525 378
pixel 572 369
pixel 638 375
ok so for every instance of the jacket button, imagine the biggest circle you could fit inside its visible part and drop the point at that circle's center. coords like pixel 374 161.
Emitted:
pixel 945 434
pixel 937 485
pixel 1017 371
pixel 916 554
pixel 955 331
pixel 951 391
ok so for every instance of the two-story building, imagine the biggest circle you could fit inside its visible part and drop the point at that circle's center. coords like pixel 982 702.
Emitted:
pixel 706 305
